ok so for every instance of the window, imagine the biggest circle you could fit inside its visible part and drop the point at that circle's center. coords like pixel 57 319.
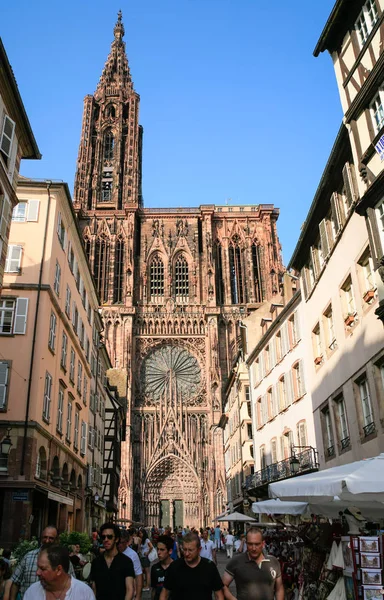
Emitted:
pixel 101 267
pixel 326 239
pixel 61 231
pixel 282 394
pixel 317 345
pixel 302 439
pixel 7 138
pixel 71 258
pixel 156 277
pixel 76 431
pixel 13 316
pixel 26 210
pixel 68 302
pixel 47 397
pixel 329 447
pixel 341 422
pixel 5 367
pixel 298 380
pixel 60 410
pixel 380 222
pixel 337 212
pixel 330 329
pixel 367 281
pixel 91 437
pixel 257 272
pixel 52 332
pixel 294 328
pixel 64 344
pixel 365 21
pixel 181 278
pixel 83 439
pixel 367 412
pixel 274 451
pixel 75 317
pixel 348 298
pixel 106 191
pixel 56 283
pixel 79 376
pixel 109 145
pixel 13 259
pixel 236 271
pixel 72 366
pixel 118 284
pixel 41 464
pixel 69 421
pixel 85 390
pixel 219 274
pixel 19 213
pixel 263 459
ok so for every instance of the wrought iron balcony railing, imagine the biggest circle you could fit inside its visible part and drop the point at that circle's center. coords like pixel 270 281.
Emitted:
pixel 307 461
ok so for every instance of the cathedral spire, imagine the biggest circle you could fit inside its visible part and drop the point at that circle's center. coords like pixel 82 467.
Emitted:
pixel 116 74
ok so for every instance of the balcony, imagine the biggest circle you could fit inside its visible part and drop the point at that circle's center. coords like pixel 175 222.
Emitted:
pixel 297 464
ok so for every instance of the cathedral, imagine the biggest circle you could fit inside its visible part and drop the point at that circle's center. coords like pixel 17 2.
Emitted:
pixel 174 285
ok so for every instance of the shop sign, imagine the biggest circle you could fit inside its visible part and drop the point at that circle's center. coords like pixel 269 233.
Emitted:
pixel 20 496
pixel 60 498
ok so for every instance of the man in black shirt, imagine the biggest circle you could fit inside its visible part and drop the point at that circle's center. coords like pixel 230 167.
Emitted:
pixel 192 577
pixel 112 573
pixel 164 550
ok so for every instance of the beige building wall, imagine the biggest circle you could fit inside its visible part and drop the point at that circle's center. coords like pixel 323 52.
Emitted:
pixel 16 142
pixel 48 344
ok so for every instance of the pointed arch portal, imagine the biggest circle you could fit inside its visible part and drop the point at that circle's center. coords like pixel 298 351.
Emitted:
pixel 172 494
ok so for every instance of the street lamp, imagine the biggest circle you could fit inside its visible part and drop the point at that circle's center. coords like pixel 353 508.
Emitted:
pixel 306 458
pixel 6 444
pixel 294 465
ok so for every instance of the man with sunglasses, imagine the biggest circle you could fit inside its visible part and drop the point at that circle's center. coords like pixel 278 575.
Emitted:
pixel 112 573
pixel 208 549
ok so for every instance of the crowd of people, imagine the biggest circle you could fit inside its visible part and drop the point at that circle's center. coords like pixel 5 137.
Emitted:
pixel 178 565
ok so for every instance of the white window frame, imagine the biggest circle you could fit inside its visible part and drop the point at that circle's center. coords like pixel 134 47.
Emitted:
pixel 379 211
pixel 47 397
pixel 64 347
pixel 72 365
pixel 68 302
pixel 19 213
pixel 52 332
pixel 5 369
pixel 13 259
pixel 342 414
pixel 365 22
pixel 69 422
pixel 366 404
pixel 60 410
pixel 56 283
pixel 377 110
pixel 79 376
pixel 76 430
pixel 83 439
pixel 18 312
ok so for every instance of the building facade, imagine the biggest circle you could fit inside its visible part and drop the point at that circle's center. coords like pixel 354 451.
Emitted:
pixel 345 341
pixel 16 142
pixel 173 284
pixel 238 438
pixel 354 35
pixel 49 339
pixel 283 429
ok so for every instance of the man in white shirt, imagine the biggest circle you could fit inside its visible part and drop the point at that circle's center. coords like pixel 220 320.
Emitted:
pixel 208 549
pixel 125 547
pixel 54 580
pixel 229 541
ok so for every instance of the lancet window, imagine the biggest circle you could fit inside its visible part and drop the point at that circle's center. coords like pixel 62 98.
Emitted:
pixel 101 267
pixel 236 271
pixel 156 277
pixel 256 272
pixel 110 111
pixel 219 274
pixel 109 145
pixel 118 280
pixel 87 247
pixel 181 278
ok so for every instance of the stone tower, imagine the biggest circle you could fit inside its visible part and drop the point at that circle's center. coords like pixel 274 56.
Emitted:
pixel 174 285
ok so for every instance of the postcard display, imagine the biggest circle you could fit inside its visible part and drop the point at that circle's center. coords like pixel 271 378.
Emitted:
pixel 363 567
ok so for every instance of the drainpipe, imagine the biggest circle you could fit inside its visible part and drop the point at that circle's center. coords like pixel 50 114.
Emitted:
pixel 24 448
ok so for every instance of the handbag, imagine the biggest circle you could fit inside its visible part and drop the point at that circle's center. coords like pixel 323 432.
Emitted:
pixel 152 556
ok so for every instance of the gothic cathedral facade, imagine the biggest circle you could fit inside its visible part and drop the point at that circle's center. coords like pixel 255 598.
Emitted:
pixel 174 284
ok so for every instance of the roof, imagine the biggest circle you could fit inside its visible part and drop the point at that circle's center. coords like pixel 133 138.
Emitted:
pixel 27 141
pixel 337 24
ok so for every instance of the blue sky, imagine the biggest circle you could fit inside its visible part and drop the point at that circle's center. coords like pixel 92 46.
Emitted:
pixel 233 103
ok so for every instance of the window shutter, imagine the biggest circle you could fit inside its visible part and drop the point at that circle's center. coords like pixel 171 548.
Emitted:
pixel 275 408
pixel 33 210
pixel 59 225
pixel 21 316
pixel 264 406
pixel 304 282
pixel 297 326
pixel 284 339
pixel 302 380
pixel 315 261
pixel 337 209
pixel 302 433
pixel 7 136
pixel 4 371
pixel 5 218
pixel 289 384
pixel 350 183
pixel 324 240
pixel 272 353
pixel 262 365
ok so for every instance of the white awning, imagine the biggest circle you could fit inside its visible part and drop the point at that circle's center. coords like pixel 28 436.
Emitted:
pixel 279 507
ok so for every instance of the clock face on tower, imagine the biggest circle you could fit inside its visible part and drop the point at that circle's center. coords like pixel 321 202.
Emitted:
pixel 170 370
